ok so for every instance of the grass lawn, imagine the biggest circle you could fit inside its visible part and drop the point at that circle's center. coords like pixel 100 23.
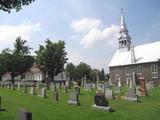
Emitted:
pixel 47 109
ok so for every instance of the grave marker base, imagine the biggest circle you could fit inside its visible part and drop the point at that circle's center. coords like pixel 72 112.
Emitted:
pixel 106 109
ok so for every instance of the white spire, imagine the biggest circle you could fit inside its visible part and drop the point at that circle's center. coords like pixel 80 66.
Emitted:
pixel 124 38
pixel 123 24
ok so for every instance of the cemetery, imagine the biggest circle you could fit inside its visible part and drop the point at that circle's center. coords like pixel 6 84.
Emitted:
pixel 46 103
pixel 49 79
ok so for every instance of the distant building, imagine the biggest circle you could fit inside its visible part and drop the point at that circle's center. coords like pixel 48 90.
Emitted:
pixel 35 74
pixel 141 60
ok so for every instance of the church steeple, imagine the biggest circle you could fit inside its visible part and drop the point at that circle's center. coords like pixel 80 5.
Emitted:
pixel 124 38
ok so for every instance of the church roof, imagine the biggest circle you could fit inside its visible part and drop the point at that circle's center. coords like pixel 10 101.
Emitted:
pixel 143 53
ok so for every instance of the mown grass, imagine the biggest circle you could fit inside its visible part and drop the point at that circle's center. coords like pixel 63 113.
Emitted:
pixel 47 109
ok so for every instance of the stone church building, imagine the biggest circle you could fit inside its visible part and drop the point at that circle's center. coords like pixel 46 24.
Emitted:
pixel 142 60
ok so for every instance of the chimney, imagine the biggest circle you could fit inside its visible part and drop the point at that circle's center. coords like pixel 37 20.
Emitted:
pixel 133 58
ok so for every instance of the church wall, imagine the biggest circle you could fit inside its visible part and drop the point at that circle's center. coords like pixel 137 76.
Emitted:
pixel 129 69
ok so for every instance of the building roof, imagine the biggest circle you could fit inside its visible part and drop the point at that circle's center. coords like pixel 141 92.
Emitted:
pixel 143 53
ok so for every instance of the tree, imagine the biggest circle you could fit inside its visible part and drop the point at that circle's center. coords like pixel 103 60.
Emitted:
pixel 2 66
pixel 71 70
pixel 8 5
pixel 17 61
pixel 102 75
pixel 82 70
pixel 52 56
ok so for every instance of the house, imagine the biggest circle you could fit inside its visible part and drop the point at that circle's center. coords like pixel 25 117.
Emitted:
pixel 142 60
pixel 36 74
pixel 7 77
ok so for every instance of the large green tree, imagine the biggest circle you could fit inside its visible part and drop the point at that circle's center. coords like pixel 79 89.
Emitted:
pixel 8 5
pixel 52 57
pixel 18 60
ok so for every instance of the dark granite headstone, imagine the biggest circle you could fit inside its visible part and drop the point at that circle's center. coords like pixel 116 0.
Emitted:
pixel 1 109
pixel 24 115
pixel 100 100
pixel 101 103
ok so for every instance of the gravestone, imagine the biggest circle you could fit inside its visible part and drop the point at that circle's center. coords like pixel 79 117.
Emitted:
pixel 149 85
pixel 55 87
pixel 109 94
pixel 55 95
pixel 8 86
pixel 101 103
pixel 13 87
pixel 74 98
pixel 117 90
pixel 107 86
pixel 32 90
pixel 131 95
pixel 24 88
pixel 93 86
pixel 19 86
pixel 88 87
pixel 24 115
pixel 43 93
pixel 66 89
pixel 78 90
pixel 143 89
pixel 1 109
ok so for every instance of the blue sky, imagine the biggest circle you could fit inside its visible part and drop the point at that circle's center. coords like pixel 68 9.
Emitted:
pixel 89 27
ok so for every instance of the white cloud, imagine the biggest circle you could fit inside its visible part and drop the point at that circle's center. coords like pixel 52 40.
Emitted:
pixel 98 37
pixel 85 24
pixel 8 33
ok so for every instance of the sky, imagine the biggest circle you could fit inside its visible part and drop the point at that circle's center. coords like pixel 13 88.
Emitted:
pixel 90 28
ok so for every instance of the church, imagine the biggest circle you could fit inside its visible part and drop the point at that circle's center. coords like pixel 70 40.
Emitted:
pixel 128 60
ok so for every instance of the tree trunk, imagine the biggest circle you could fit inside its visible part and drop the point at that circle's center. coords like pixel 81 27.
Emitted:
pixel 0 77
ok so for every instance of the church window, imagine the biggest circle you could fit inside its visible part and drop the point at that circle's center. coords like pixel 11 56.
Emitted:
pixel 154 71
pixel 128 78
pixel 117 77
pixel 139 71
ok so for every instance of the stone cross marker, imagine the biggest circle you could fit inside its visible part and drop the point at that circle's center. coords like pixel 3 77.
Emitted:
pixel 24 115
pixel 74 98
